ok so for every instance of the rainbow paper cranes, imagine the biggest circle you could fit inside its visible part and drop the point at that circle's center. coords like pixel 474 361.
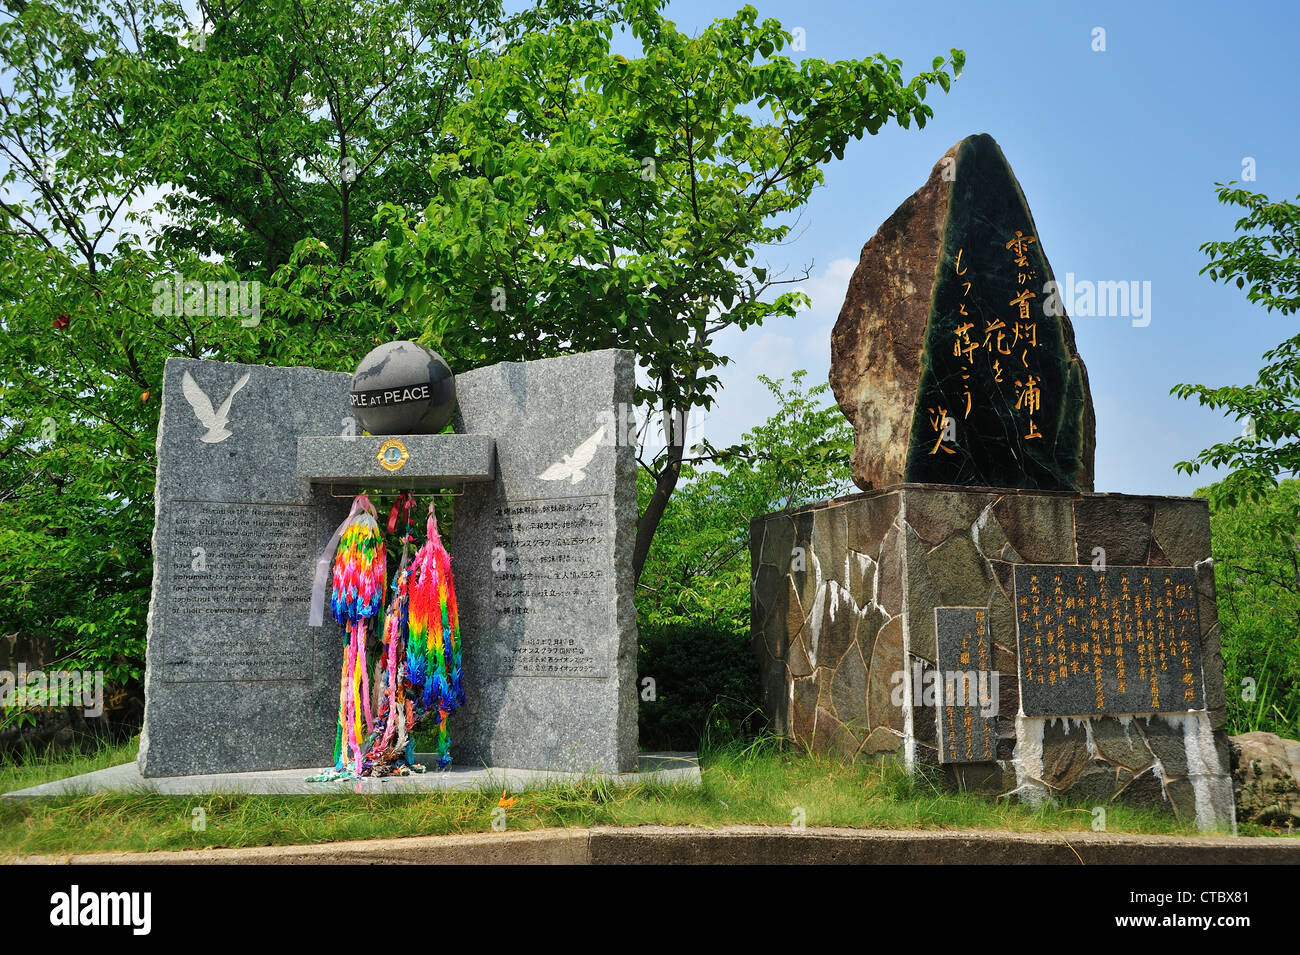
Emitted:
pixel 433 658
pixel 360 573
pixel 415 677
pixel 390 750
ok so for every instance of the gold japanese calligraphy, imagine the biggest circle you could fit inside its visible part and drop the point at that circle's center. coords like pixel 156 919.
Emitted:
pixel 1124 640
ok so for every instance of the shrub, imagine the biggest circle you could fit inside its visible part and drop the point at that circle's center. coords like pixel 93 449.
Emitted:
pixel 705 680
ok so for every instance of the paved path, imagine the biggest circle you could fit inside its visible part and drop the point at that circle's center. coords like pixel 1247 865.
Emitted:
pixel 681 769
pixel 740 844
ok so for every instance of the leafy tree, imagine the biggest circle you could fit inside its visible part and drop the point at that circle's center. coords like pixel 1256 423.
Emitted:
pixel 1257 577
pixel 292 119
pixel 134 148
pixel 693 596
pixel 1265 260
pixel 597 201
pixel 79 367
pixel 698 568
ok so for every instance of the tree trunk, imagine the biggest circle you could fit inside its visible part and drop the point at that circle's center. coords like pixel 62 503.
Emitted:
pixel 648 523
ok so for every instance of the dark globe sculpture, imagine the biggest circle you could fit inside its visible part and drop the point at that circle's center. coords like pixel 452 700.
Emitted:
pixel 403 388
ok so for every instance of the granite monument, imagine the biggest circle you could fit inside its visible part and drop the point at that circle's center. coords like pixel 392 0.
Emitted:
pixel 256 468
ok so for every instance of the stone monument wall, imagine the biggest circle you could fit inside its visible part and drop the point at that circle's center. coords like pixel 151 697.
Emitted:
pixel 235 680
pixel 541 548
pixel 543 558
pixel 862 603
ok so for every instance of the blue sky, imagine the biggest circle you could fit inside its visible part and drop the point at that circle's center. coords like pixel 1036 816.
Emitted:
pixel 1117 152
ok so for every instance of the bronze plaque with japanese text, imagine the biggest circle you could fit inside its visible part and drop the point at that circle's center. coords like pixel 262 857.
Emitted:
pixel 1124 640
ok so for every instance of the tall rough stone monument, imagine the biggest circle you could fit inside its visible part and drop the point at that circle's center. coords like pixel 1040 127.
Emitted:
pixel 951 357
pixel 978 610
pixel 256 467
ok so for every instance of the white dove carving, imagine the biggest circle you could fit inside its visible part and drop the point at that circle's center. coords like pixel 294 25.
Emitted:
pixel 572 464
pixel 214 421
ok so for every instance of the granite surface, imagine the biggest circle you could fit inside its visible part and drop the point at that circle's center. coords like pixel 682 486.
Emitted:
pixel 543 561
pixel 672 769
pixel 235 680
pixel 426 460
pixel 541 547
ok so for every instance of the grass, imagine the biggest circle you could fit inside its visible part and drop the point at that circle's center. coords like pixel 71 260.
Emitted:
pixel 759 783
pixel 31 767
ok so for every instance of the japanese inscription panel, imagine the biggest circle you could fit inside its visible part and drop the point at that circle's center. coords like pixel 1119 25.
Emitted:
pixel 1123 640
pixel 1002 399
pixel 550 583
pixel 966 711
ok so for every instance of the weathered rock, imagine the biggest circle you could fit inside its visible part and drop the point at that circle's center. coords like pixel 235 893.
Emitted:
pixel 1264 779
pixel 777 540
pixel 800 664
pixel 940 514
pixel 831 737
pixel 862 578
pixel 886 660
pixel 764 589
pixel 1065 753
pixel 772 635
pixel 1095 783
pixel 831 626
pixel 803 563
pixel 984 778
pixel 892 560
pixel 849 692
pixel 1146 790
pixel 962 575
pixel 773 687
pixel 868 519
pixel 915 342
pixel 1122 528
pixel 882 740
pixel 925 726
pixel 830 543
pixel 1182 796
pixel 1182 529
pixel 923 596
pixel 1167 744
pixel 1002 628
pixel 1039 528
pixel 1122 743
pixel 803 707
pixel 1008 697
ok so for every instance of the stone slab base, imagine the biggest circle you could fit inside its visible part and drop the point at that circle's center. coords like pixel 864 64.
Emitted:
pixel 843 595
pixel 677 769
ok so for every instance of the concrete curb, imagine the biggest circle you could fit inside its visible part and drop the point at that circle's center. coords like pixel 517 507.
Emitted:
pixel 744 845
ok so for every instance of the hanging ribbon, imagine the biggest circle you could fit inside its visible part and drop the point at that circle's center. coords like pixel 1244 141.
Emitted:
pixel 360 564
pixel 401 507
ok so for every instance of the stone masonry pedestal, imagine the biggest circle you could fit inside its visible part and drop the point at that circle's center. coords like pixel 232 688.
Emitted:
pixel 843 597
